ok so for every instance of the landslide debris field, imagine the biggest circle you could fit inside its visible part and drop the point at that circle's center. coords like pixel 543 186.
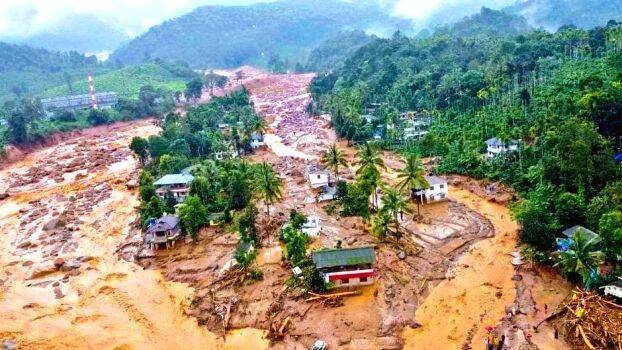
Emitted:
pixel 75 271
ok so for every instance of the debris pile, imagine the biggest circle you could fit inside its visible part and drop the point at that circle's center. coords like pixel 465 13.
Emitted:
pixel 590 321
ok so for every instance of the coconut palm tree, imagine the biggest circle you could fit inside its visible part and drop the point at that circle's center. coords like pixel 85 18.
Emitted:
pixel 334 158
pixel 268 185
pixel 582 256
pixel 370 162
pixel 394 204
pixel 412 177
pixel 380 225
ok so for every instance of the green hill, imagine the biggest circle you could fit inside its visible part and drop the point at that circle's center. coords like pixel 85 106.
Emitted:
pixel 126 81
pixel 229 36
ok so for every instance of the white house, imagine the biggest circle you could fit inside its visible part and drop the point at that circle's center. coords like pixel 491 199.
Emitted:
pixel 614 289
pixel 327 193
pixel 225 155
pixel 496 146
pixel 257 140
pixel 436 192
pixel 312 227
pixel 318 177
pixel 177 185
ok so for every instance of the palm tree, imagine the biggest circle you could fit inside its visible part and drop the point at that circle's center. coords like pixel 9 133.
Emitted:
pixel 582 256
pixel 370 161
pixel 369 157
pixel 412 177
pixel 394 204
pixel 333 158
pixel 380 225
pixel 268 185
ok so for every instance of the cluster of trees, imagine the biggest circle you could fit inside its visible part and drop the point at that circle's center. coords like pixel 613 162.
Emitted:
pixel 26 121
pixel 224 191
pixel 210 81
pixel 296 242
pixel 559 94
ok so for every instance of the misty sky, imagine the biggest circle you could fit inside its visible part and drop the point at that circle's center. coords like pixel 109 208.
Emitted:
pixel 25 17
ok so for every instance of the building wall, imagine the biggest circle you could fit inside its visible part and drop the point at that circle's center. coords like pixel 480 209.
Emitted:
pixel 351 278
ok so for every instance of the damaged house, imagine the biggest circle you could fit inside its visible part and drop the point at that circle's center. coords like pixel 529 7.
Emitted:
pixel 347 267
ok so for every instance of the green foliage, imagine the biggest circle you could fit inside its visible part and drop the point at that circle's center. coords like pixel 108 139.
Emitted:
pixel 140 147
pixel 381 225
pixel 582 257
pixel 193 216
pixel 296 219
pixel 355 202
pixel 296 247
pixel 244 254
pixel 334 158
pixel 246 225
pixel 194 88
pixel 268 185
pixel 99 117
pixel 153 208
pixel 313 279
pixel 610 229
pixel 146 188
pixel 335 50
pixel 172 164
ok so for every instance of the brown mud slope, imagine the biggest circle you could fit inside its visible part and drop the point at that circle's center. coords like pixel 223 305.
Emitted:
pixel 407 270
pixel 61 284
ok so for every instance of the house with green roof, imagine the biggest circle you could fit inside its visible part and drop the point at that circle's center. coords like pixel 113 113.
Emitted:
pixel 176 185
pixel 346 267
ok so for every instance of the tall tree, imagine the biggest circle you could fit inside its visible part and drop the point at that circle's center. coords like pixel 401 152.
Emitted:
pixel 268 185
pixel 334 158
pixel 394 205
pixel 370 162
pixel 582 257
pixel 412 177
pixel 193 216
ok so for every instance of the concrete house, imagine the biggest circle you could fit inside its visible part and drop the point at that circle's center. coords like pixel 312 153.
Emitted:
pixel 496 146
pixel 347 267
pixel 416 128
pixel 257 140
pixel 569 232
pixel 318 177
pixel 164 231
pixel 436 192
pixel 178 185
pixel 312 227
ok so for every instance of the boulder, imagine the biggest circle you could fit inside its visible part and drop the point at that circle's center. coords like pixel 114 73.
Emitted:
pixel 401 255
pixel 59 262
pixel 42 270
pixel 4 195
pixel 132 184
pixel 53 224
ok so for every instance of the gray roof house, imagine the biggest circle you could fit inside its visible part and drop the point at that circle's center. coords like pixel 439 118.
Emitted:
pixel 178 185
pixel 166 230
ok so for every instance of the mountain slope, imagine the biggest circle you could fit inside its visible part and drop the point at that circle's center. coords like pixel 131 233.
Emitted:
pixel 82 33
pixel 552 14
pixel 219 36
pixel 487 22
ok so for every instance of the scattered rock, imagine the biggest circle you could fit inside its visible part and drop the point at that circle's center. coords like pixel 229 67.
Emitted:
pixel 343 340
pixel 59 262
pixel 43 270
pixel 58 294
pixel 132 184
pixel 53 224
pixel 351 240
pixel 4 195
pixel 401 255
pixel 9 345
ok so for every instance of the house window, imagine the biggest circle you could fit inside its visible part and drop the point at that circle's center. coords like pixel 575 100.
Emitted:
pixel 345 281
pixel 442 195
pixel 318 176
pixel 431 188
pixel 363 279
pixel 441 186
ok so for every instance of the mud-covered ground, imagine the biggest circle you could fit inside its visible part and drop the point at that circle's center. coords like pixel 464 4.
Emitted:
pixel 407 269
pixel 74 273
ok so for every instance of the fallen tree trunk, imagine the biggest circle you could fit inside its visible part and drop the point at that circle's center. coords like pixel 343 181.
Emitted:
pixel 331 296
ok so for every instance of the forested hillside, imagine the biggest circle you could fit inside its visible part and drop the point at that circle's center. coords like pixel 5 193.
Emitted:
pixel 219 36
pixel 335 50
pixel 552 14
pixel 487 23
pixel 559 95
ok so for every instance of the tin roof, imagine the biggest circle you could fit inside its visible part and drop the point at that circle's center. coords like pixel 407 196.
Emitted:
pixel 174 179
pixel 571 231
pixel 344 257
pixel 164 223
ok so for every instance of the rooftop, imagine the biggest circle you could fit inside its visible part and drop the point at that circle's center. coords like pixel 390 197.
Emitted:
pixel 496 142
pixel 164 223
pixel 174 179
pixel 571 231
pixel 344 257
pixel 435 180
